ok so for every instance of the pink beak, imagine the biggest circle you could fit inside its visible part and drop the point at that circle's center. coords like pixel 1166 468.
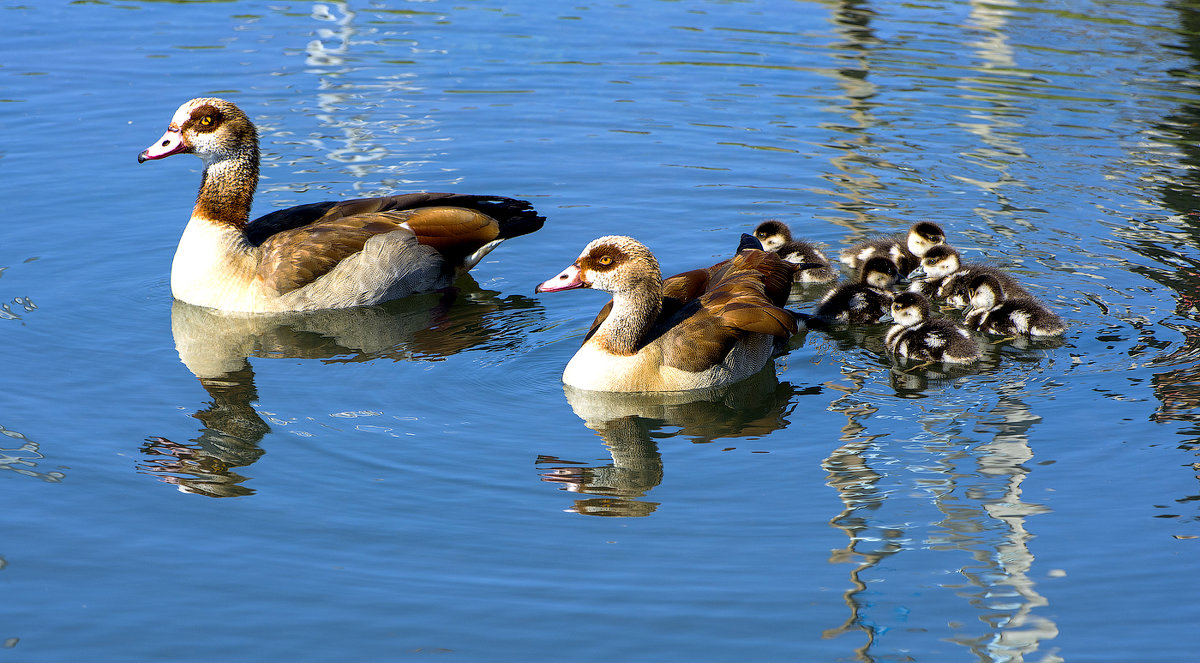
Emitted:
pixel 171 143
pixel 568 279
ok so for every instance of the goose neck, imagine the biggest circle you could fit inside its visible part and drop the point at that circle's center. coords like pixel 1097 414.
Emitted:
pixel 227 189
pixel 634 311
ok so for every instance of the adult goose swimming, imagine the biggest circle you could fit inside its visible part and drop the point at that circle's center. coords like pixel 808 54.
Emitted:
pixel 321 255
pixel 703 328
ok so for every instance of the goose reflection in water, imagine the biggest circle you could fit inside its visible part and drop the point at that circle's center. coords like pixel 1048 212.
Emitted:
pixel 216 348
pixel 630 424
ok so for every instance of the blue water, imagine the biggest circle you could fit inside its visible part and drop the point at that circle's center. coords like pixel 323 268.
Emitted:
pixel 380 484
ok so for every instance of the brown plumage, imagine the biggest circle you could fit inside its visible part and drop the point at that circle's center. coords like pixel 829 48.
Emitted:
pixel 298 256
pixel 698 329
pixel 319 255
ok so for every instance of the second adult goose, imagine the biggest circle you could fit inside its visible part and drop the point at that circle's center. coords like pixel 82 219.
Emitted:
pixel 704 328
pixel 320 255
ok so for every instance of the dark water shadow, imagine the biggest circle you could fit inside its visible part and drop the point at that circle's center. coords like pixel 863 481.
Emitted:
pixel 1172 244
pixel 217 347
pixel 632 425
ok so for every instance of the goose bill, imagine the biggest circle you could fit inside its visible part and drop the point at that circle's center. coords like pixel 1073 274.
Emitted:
pixel 170 143
pixel 568 279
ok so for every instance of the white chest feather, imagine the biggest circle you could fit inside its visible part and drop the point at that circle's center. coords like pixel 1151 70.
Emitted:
pixel 214 267
pixel 596 369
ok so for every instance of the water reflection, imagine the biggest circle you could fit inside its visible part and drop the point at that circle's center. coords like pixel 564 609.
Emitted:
pixel 216 348
pixel 328 57
pixel 912 379
pixel 229 438
pixel 15 308
pixel 631 424
pixel 857 485
pixel 23 458
pixel 854 179
pixel 19 305
pixel 976 490
pixel 361 109
pixel 1004 593
pixel 1173 243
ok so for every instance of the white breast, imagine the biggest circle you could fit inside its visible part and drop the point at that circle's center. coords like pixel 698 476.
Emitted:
pixel 214 267
pixel 595 369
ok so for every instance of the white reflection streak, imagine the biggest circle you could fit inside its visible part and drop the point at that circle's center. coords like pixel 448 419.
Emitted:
pixel 1023 632
pixel 851 23
pixel 994 51
pixel 21 459
pixel 325 57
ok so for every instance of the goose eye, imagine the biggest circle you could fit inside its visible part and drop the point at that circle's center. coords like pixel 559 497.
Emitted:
pixel 605 260
pixel 206 121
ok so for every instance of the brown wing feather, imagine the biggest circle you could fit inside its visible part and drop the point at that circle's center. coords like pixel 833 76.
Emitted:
pixel 776 273
pixel 741 296
pixel 454 231
pixel 689 285
pixel 294 258
pixel 300 244
pixel 700 343
pixel 600 318
pixel 759 319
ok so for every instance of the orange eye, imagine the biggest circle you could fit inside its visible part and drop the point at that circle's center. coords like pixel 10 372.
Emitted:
pixel 206 120
pixel 605 260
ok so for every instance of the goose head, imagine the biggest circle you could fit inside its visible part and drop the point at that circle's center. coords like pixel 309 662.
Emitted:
pixel 879 272
pixel 910 309
pixel 985 292
pixel 212 129
pixel 773 234
pixel 923 236
pixel 940 261
pixel 613 264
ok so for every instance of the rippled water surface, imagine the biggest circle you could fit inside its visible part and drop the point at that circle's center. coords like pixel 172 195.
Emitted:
pixel 373 485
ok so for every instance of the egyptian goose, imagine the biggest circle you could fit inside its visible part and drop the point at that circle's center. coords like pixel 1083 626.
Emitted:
pixel 905 251
pixel 703 328
pixel 944 276
pixel 863 301
pixel 319 255
pixel 994 312
pixel 915 335
pixel 814 266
